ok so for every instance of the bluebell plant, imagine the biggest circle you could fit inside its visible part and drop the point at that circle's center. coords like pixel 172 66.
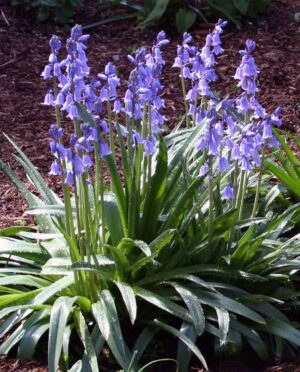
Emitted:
pixel 234 137
pixel 176 225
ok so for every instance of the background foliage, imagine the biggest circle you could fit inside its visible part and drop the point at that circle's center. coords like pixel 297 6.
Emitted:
pixel 149 12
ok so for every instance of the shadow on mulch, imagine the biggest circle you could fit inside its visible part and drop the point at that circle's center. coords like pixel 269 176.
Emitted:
pixel 14 365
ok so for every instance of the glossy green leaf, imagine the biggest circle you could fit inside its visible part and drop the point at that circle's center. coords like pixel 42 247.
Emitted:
pixel 184 353
pixel 26 280
pixel 106 315
pixel 157 12
pixel 77 367
pixel 184 339
pixel 58 321
pixel 117 189
pixel 11 246
pixel 20 331
pixel 35 176
pixel 221 301
pixel 17 298
pixel 194 306
pixel 223 320
pixel 30 340
pixel 47 210
pixel 162 240
pixel 253 338
pixel 141 343
pixel 128 296
pixel 176 214
pixel 205 270
pixel 53 289
pixel 112 217
pixel 14 230
pixel 87 342
pixel 155 194
pixel 281 329
pixel 164 304
pixel 284 177
pixel 185 18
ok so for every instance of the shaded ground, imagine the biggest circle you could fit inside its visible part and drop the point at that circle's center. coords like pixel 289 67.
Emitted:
pixel 24 51
pixel 13 365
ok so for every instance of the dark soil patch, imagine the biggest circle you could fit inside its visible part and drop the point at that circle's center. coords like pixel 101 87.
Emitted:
pixel 14 365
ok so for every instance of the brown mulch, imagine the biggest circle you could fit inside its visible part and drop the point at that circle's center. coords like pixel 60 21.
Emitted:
pixel 24 52
pixel 14 365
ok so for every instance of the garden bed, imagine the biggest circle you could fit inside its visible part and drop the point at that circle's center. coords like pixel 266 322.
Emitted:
pixel 24 52
pixel 27 122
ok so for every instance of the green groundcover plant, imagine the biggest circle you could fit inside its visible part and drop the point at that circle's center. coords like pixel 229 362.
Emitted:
pixel 189 237
pixel 150 12
pixel 59 10
pixel 186 12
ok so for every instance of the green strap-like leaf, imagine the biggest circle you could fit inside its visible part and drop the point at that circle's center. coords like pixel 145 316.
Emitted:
pixel 117 189
pixel 17 335
pixel 218 300
pixel 194 306
pixel 106 315
pixel 27 280
pixel 35 176
pixel 157 12
pixel 281 329
pixel 141 343
pixel 53 289
pixel 15 246
pixel 87 342
pixel 164 304
pixel 184 354
pixel 77 367
pixel 284 177
pixel 112 218
pixel 44 222
pixel 128 296
pixel 30 340
pixel 253 338
pixel 155 194
pixel 204 269
pixel 15 230
pixel 223 320
pixel 17 298
pixel 176 214
pixel 58 321
pixel 184 339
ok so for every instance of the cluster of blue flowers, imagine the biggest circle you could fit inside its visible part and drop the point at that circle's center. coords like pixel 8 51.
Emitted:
pixel 72 73
pixel 197 65
pixel 143 93
pixel 226 137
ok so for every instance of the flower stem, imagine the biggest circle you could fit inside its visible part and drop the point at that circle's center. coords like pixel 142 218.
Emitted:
pixel 102 206
pixel 111 131
pixel 187 119
pixel 211 202
pixel 235 182
pixel 242 196
pixel 258 185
